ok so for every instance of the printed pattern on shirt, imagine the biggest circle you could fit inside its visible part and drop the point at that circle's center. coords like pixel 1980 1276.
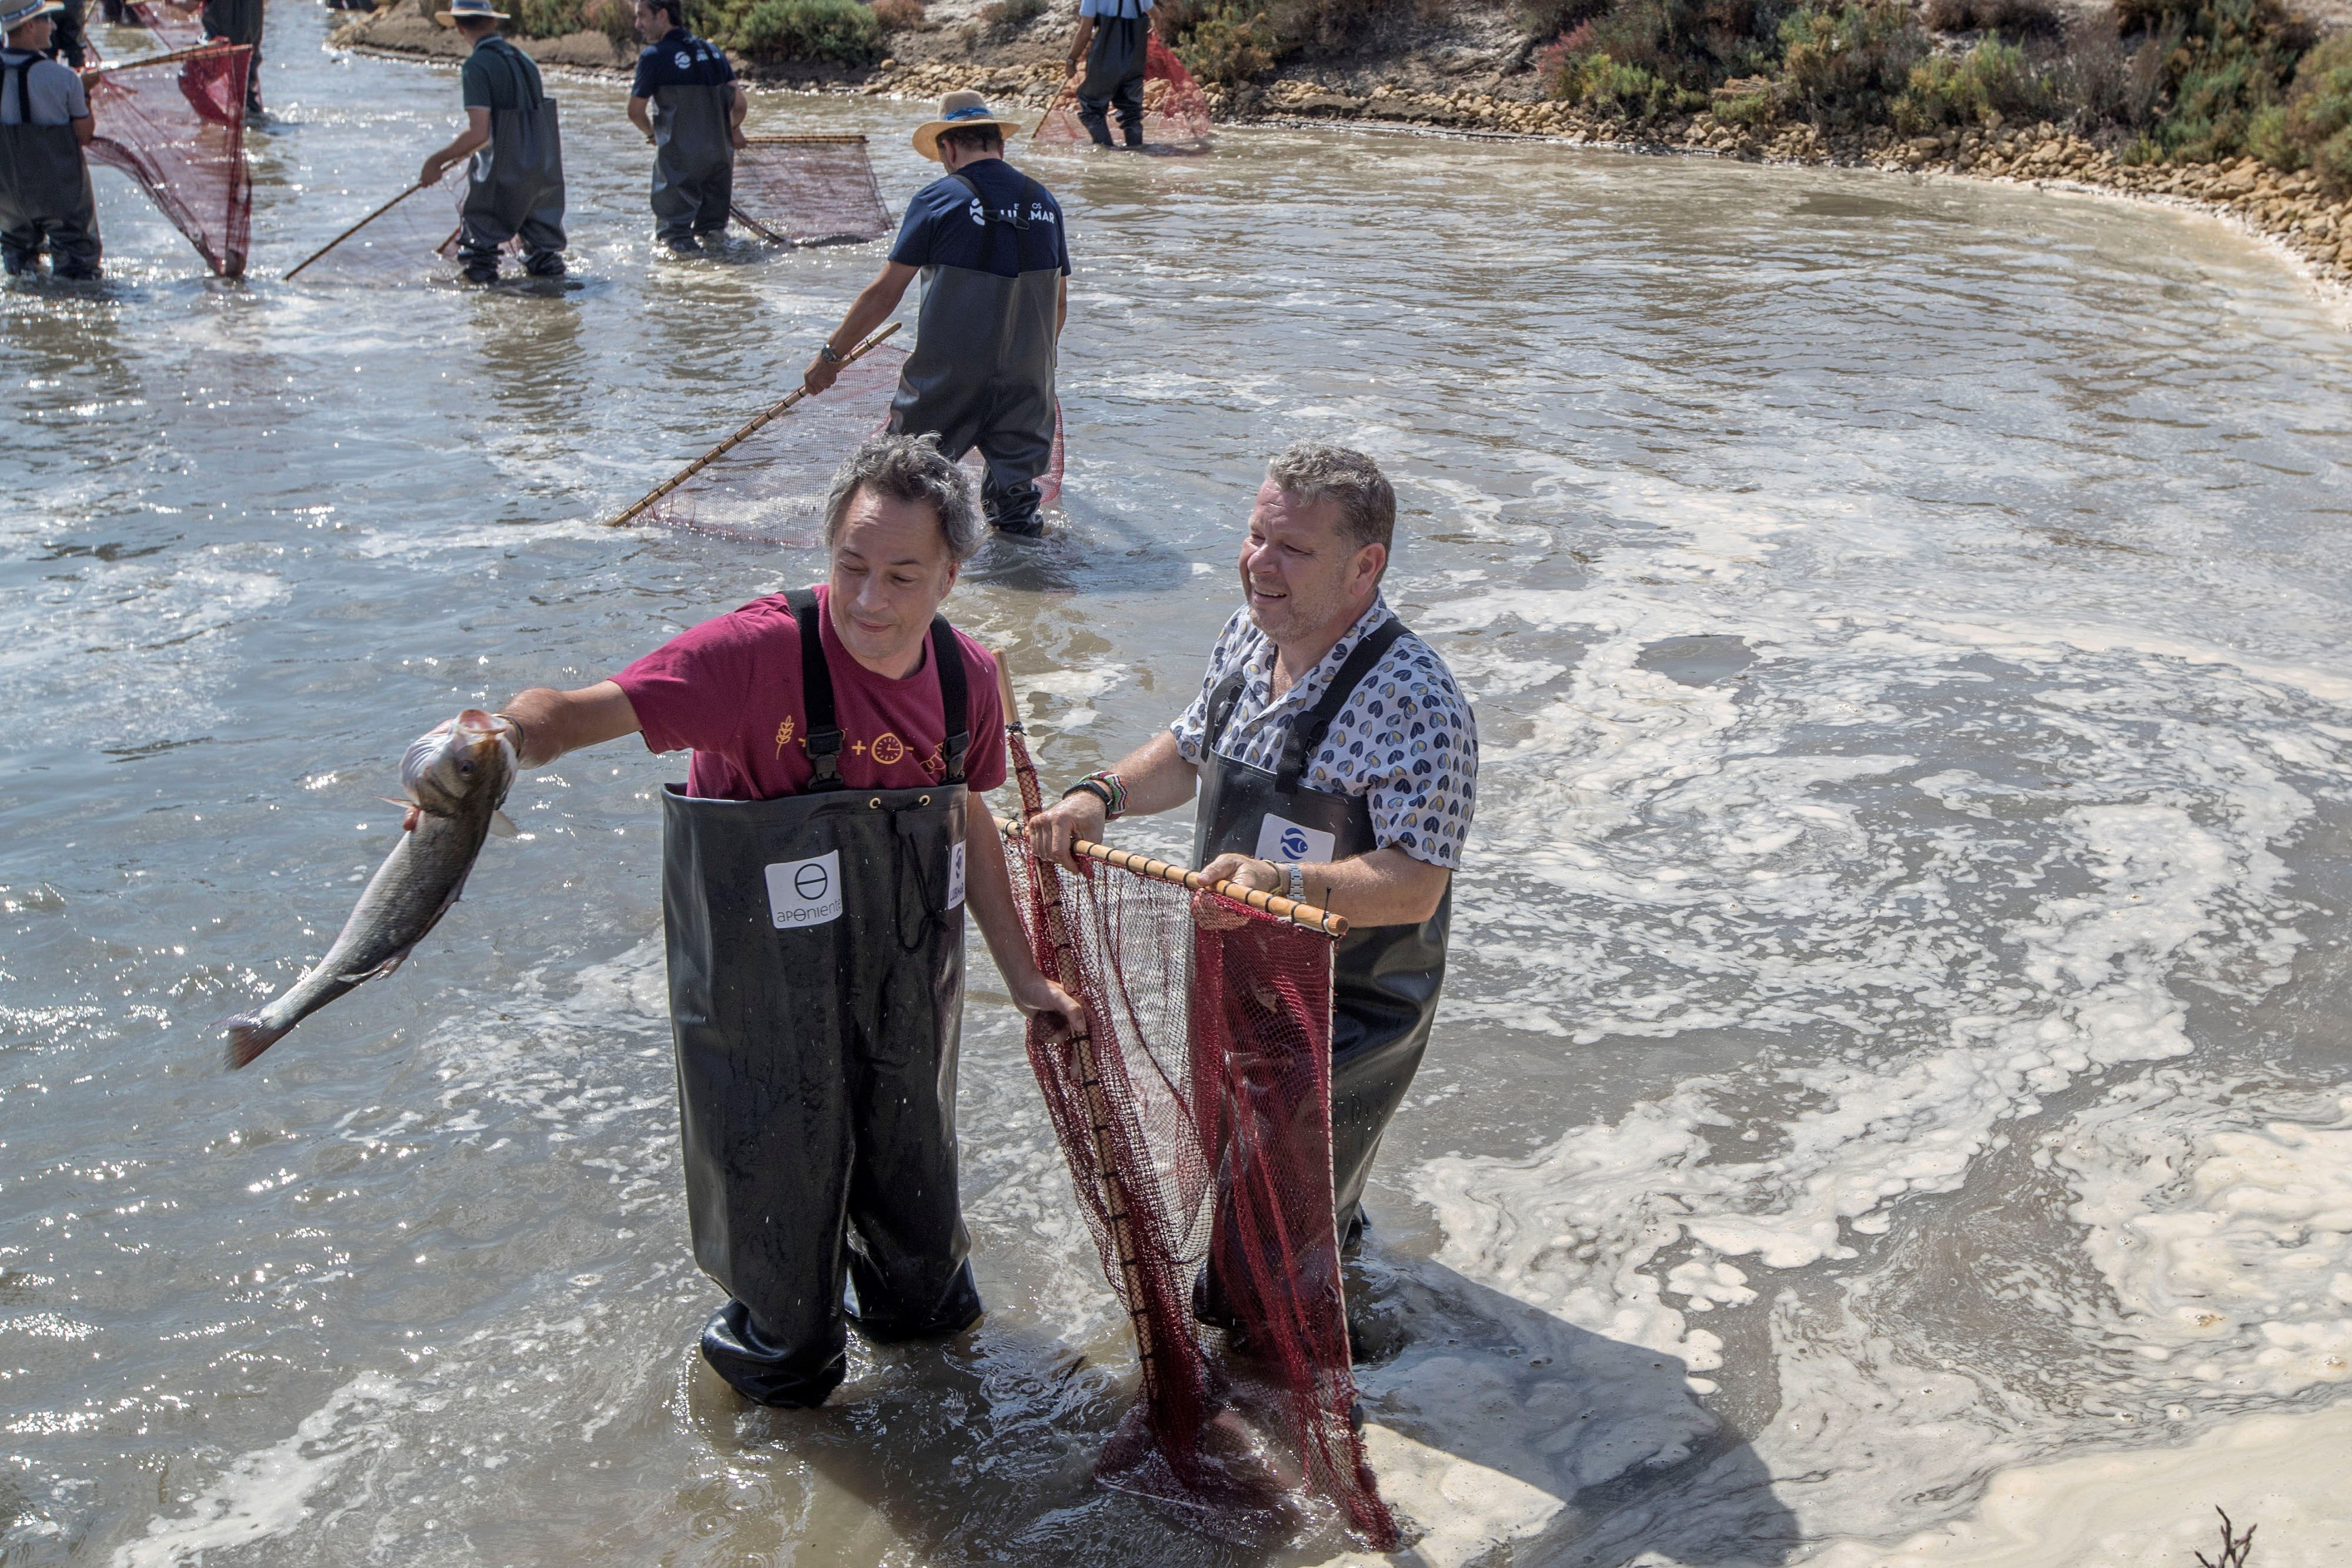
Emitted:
pixel 1406 741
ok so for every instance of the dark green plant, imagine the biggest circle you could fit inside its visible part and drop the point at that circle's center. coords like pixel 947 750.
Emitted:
pixel 2217 65
pixel 835 32
pixel 1003 18
pixel 1229 45
pixel 1948 91
pixel 1846 63
pixel 2316 123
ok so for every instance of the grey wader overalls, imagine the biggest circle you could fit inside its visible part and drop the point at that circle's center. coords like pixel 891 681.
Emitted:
pixel 515 185
pixel 816 995
pixel 1115 62
pixel 694 157
pixel 1384 979
pixel 240 21
pixel 983 371
pixel 45 192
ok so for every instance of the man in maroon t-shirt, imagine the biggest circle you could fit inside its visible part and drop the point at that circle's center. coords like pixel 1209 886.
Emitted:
pixel 816 868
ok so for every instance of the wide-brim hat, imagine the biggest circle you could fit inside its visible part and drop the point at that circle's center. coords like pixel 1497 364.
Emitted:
pixel 15 13
pixel 961 111
pixel 482 8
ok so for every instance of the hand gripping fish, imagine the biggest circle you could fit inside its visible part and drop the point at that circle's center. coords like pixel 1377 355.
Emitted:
pixel 456 779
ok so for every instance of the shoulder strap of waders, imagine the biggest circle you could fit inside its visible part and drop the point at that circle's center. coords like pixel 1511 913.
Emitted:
pixel 1307 731
pixel 987 213
pixel 817 695
pixel 1222 700
pixel 954 700
pixel 21 71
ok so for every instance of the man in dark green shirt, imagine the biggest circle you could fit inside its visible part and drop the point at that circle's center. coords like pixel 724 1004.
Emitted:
pixel 516 187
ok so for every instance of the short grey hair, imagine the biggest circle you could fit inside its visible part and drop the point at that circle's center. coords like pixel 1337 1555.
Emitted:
pixel 1308 471
pixel 908 468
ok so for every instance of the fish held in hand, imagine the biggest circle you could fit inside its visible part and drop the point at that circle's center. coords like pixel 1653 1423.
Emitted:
pixel 455 778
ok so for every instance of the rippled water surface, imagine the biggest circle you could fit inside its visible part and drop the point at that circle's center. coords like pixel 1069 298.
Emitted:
pixel 1894 1059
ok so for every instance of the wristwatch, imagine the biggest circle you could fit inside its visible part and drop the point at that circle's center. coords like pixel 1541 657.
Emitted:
pixel 824 351
pixel 1294 880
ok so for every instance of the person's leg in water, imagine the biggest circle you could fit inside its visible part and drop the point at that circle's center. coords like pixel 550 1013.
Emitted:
pixel 544 242
pixel 74 250
pixel 1129 99
pixel 1094 113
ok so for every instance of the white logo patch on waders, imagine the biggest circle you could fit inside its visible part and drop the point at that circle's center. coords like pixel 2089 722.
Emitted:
pixel 955 875
pixel 1280 839
pixel 807 892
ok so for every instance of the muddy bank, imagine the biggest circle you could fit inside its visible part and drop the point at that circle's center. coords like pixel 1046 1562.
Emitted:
pixel 1482 87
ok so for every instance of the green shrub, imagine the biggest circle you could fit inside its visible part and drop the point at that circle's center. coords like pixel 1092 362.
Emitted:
pixel 899 15
pixel 1003 18
pixel 2009 18
pixel 2316 123
pixel 1846 63
pixel 616 19
pixel 1948 90
pixel 1228 46
pixel 2216 65
pixel 838 32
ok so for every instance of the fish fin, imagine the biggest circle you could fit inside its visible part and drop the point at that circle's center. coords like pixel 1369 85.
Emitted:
pixel 386 968
pixel 502 826
pixel 248 1037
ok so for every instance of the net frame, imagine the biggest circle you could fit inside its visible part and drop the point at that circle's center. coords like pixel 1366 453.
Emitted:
pixel 184 143
pixel 1175 109
pixel 1193 1112
pixel 808 190
pixel 177 24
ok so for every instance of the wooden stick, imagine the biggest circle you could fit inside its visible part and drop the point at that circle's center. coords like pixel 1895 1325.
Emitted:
pixel 1304 916
pixel 354 229
pixel 699 464
pixel 837 139
pixel 199 51
pixel 756 226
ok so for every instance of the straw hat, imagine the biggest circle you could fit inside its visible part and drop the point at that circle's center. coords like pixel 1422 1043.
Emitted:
pixel 483 9
pixel 15 13
pixel 961 111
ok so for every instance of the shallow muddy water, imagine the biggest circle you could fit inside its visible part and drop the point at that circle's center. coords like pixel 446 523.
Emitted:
pixel 1894 1077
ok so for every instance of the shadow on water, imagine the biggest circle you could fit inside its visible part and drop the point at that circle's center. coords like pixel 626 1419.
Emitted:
pixel 983 1448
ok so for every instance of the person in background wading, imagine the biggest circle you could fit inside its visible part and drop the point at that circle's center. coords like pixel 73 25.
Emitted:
pixel 987 242
pixel 68 39
pixel 1106 59
pixel 46 200
pixel 1337 763
pixel 691 108
pixel 516 183
pixel 816 868
pixel 238 22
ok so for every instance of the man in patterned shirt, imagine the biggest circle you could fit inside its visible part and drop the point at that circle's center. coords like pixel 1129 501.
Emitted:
pixel 1337 763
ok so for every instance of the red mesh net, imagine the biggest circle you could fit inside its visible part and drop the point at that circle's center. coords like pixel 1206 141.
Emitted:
pixel 409 239
pixel 178 24
pixel 770 487
pixel 1196 1121
pixel 809 190
pixel 1175 109
pixel 175 123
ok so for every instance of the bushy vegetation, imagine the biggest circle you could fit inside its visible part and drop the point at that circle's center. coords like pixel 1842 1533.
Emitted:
pixel 1232 41
pixel 2314 129
pixel 899 15
pixel 616 19
pixel 1003 18
pixel 832 32
pixel 2010 18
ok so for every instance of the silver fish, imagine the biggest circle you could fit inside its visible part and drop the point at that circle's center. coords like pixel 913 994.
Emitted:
pixel 456 779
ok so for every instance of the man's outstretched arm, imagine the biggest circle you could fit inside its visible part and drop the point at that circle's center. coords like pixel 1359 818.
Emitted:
pixel 1158 779
pixel 866 312
pixel 553 722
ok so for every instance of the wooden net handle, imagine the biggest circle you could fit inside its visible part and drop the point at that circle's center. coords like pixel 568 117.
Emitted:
pixel 1303 916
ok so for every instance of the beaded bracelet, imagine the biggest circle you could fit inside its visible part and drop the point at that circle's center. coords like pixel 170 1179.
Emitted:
pixel 1104 785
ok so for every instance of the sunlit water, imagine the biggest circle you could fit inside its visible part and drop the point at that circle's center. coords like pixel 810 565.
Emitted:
pixel 1896 1026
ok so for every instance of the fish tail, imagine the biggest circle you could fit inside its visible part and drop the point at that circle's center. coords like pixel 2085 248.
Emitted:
pixel 248 1037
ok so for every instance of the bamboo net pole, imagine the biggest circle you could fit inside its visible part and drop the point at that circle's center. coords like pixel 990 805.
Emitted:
pixel 352 230
pixel 1302 914
pixel 699 464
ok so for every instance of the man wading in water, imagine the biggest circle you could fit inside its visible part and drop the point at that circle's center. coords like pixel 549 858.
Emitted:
pixel 1106 60
pixel 988 240
pixel 814 872
pixel 44 193
pixel 1336 764
pixel 516 184
pixel 691 108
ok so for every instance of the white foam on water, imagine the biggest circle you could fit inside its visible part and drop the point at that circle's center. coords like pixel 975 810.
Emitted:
pixel 272 1491
pixel 2284 1475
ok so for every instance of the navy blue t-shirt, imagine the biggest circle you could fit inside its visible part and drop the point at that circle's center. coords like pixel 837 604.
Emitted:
pixel 681 59
pixel 944 227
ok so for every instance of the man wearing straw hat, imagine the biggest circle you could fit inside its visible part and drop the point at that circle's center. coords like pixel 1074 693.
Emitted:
pixel 1335 763
pixel 987 242
pixel 516 184
pixel 44 193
